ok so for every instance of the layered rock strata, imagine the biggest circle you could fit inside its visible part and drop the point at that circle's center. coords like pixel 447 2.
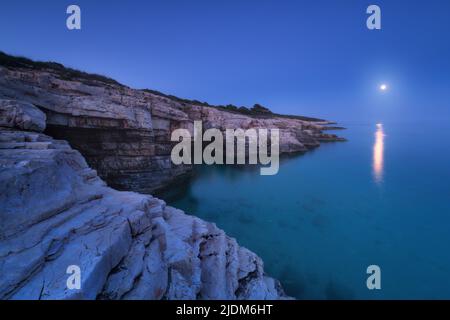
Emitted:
pixel 125 133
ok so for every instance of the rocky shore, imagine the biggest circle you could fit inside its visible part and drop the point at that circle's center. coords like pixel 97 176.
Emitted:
pixel 56 211
pixel 124 133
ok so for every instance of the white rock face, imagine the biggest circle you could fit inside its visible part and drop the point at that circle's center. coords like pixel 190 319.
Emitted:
pixel 56 212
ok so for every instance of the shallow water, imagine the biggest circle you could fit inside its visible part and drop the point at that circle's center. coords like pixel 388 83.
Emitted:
pixel 381 198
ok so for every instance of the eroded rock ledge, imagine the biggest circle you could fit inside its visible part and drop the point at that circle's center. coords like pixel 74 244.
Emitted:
pixel 56 212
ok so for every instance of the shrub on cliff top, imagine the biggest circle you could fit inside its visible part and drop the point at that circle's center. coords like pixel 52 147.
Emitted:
pixel 63 72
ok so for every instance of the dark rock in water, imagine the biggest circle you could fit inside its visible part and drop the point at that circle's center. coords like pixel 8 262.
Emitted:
pixel 246 218
pixel 290 278
pixel 320 221
pixel 308 208
pixel 335 291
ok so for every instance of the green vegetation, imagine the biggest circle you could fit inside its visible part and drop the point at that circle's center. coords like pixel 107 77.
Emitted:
pixel 179 100
pixel 63 72
pixel 257 111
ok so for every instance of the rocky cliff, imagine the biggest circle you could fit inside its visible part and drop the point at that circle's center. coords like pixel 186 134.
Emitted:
pixel 124 133
pixel 56 212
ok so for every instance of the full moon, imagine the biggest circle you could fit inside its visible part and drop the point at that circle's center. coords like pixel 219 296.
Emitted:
pixel 383 87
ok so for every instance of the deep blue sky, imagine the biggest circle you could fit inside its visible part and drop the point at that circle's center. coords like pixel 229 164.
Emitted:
pixel 312 57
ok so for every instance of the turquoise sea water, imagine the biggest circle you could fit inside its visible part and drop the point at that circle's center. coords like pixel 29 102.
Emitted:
pixel 382 197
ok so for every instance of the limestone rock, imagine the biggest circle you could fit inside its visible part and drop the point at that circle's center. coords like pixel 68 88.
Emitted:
pixel 56 212
pixel 21 115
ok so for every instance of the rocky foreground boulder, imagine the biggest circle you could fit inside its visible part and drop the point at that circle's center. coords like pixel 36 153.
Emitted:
pixel 56 212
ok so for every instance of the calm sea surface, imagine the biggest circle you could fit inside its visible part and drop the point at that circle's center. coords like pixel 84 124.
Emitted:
pixel 382 198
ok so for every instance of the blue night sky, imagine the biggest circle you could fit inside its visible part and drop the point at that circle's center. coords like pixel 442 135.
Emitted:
pixel 314 58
